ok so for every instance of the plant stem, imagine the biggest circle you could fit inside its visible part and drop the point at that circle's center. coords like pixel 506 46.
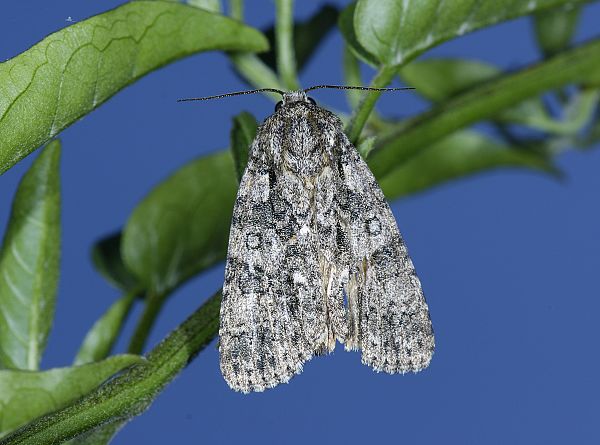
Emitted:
pixel 132 391
pixel 256 73
pixel 154 303
pixel 236 9
pixel 284 44
pixel 352 77
pixel 359 118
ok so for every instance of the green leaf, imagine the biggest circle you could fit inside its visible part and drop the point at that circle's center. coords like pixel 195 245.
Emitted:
pixel 460 154
pixel 131 392
pixel 209 5
pixel 308 35
pixel 182 226
pixel 29 264
pixel 346 26
pixel 397 31
pixel 108 261
pixel 73 71
pixel 242 135
pixel 99 341
pixel 482 102
pixel 555 28
pixel 26 395
pixel 441 79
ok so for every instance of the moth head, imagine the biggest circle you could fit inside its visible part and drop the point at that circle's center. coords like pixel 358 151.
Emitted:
pixel 294 97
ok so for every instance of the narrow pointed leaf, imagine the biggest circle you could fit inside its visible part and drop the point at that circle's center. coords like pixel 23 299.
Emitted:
pixel 29 264
pixel 458 155
pixel 108 261
pixel 182 226
pixel 73 71
pixel 27 395
pixel 397 31
pixel 99 341
pixel 581 64
pixel 242 135
pixel 131 392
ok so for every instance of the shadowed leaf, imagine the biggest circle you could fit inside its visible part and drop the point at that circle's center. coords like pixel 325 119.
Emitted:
pixel 308 36
pixel 108 261
pixel 242 135
pixel 29 264
pixel 458 155
pixel 182 226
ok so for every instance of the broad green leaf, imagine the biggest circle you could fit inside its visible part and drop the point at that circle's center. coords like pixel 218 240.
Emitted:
pixel 576 65
pixel 73 71
pixel 441 79
pixel 129 393
pixel 29 264
pixel 27 395
pixel 397 31
pixel 308 35
pixel 346 25
pixel 100 339
pixel 242 135
pixel 182 226
pixel 108 261
pixel 458 155
pixel 555 28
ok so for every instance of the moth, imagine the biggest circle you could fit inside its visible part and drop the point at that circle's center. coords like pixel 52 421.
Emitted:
pixel 314 257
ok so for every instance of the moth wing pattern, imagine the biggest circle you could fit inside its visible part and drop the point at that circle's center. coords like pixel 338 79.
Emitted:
pixel 272 313
pixel 388 317
pixel 315 256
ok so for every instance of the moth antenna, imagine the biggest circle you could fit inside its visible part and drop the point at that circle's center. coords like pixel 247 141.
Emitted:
pixel 350 87
pixel 236 93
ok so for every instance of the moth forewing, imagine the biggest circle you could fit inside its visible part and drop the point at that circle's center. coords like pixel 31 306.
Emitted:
pixel 315 255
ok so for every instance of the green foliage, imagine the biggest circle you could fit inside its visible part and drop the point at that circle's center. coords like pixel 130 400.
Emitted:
pixel 483 102
pixel 74 70
pixel 462 153
pixel 29 264
pixel 181 227
pixel 308 35
pixel 26 395
pixel 99 341
pixel 427 23
pixel 131 392
pixel 242 135
pixel 108 261
pixel 555 28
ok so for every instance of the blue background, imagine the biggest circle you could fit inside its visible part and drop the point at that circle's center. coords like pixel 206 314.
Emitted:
pixel 508 260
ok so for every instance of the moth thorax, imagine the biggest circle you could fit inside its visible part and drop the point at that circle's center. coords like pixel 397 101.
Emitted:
pixel 294 96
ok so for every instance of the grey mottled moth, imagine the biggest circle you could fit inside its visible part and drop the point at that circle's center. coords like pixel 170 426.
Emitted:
pixel 314 256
